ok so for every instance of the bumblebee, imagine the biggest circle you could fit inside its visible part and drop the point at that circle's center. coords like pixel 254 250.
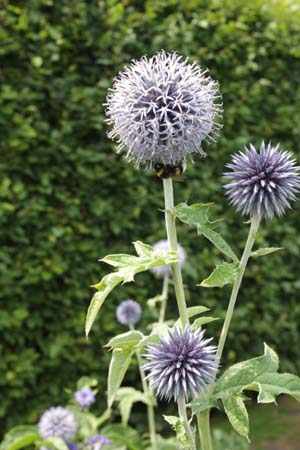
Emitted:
pixel 169 170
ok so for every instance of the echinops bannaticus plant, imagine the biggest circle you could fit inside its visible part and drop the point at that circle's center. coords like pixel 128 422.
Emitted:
pixel 162 109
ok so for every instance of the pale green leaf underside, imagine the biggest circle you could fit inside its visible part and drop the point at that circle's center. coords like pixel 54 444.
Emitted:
pixel 197 215
pixel 119 364
pixel 19 437
pixel 127 396
pixel 224 273
pixel 265 251
pixel 55 443
pixel 125 340
pixel 127 267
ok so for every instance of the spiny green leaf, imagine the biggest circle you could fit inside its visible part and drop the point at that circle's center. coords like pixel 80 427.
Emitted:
pixel 128 266
pixel 224 273
pixel 256 374
pixel 117 369
pixel 128 340
pixel 178 425
pixel 265 251
pixel 192 312
pixel 217 240
pixel 197 215
pixel 237 414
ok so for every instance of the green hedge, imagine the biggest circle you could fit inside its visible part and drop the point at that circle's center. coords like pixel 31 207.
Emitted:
pixel 67 199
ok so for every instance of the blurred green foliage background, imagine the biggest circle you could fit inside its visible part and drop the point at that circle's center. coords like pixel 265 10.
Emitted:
pixel 67 199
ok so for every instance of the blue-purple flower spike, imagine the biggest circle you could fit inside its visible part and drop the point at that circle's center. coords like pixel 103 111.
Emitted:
pixel 262 182
pixel 57 422
pixel 181 365
pixel 128 312
pixel 162 108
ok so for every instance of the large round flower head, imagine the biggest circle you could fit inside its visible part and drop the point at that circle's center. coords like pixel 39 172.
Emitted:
pixel 181 365
pixel 162 108
pixel 57 422
pixel 85 397
pixel 162 247
pixel 262 182
pixel 128 312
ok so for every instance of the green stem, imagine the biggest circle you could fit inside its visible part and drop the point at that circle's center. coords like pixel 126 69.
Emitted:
pixel 235 290
pixel 172 240
pixel 183 416
pixel 203 420
pixel 150 408
pixel 164 298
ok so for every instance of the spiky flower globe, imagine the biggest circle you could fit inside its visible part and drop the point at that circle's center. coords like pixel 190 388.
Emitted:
pixel 262 182
pixel 85 397
pixel 181 365
pixel 96 442
pixel 162 108
pixel 128 312
pixel 162 247
pixel 57 422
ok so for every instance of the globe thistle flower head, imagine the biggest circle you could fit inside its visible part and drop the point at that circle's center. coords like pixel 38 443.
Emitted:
pixel 262 182
pixel 162 247
pixel 128 312
pixel 57 422
pixel 162 108
pixel 85 397
pixel 72 446
pixel 181 365
pixel 98 441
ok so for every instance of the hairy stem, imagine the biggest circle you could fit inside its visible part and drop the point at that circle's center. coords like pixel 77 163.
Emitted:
pixel 203 420
pixel 182 414
pixel 172 240
pixel 235 290
pixel 164 298
pixel 150 408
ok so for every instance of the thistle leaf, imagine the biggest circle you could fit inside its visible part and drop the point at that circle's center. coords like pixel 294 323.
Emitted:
pixel 224 273
pixel 197 215
pixel 20 437
pixel 265 251
pixel 256 374
pixel 128 266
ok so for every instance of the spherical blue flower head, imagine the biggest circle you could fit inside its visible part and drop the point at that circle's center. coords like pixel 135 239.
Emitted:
pixel 128 312
pixel 162 247
pixel 85 397
pixel 57 422
pixel 96 442
pixel 262 182
pixel 162 108
pixel 181 365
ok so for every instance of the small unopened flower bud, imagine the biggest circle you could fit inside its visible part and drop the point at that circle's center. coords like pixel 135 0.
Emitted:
pixel 128 312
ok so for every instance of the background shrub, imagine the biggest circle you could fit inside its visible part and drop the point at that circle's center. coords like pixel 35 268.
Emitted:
pixel 67 199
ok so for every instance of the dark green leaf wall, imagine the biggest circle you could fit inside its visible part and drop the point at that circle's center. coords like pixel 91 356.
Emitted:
pixel 67 199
